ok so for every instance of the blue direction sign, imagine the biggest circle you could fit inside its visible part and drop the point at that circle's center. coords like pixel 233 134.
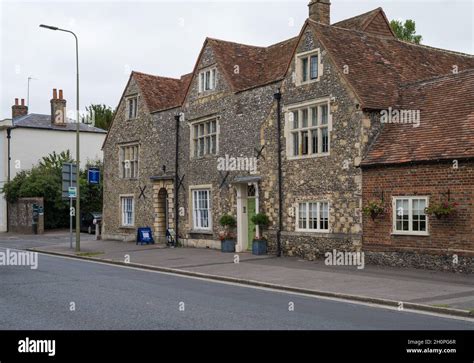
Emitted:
pixel 93 176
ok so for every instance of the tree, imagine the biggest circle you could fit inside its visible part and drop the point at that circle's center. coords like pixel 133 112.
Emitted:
pixel 405 31
pixel 99 115
pixel 44 180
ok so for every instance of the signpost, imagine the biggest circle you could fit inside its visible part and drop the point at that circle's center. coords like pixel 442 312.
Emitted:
pixel 69 191
pixel 93 176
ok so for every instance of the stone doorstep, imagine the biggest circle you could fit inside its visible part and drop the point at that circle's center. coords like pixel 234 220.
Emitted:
pixel 342 296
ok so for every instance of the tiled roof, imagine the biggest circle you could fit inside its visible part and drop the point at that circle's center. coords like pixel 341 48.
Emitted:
pixel 374 21
pixel 39 121
pixel 446 128
pixel 257 66
pixel 161 93
pixel 377 66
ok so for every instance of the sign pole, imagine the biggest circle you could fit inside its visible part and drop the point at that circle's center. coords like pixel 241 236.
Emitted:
pixel 70 214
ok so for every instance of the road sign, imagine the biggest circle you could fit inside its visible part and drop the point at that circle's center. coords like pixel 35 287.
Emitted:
pixel 72 192
pixel 93 175
pixel 69 178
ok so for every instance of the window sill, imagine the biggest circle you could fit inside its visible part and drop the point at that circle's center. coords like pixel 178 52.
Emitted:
pixel 418 234
pixel 312 156
pixel 311 231
pixel 201 231
pixel 127 227
pixel 298 84
pixel 204 157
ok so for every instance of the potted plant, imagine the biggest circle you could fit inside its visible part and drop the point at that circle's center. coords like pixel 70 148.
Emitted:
pixel 259 244
pixel 373 209
pixel 227 236
pixel 441 209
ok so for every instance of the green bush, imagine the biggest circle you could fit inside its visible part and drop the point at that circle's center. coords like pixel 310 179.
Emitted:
pixel 227 221
pixel 44 180
pixel 261 220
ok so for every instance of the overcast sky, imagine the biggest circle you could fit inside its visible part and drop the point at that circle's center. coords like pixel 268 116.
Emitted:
pixel 165 37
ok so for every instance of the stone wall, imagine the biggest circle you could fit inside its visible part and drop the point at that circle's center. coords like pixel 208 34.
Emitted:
pixel 20 216
pixel 335 177
pixel 142 131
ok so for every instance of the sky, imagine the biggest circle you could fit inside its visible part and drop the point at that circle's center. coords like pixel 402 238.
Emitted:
pixel 164 38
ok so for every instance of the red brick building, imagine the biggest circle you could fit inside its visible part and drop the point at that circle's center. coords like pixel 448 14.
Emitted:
pixel 409 168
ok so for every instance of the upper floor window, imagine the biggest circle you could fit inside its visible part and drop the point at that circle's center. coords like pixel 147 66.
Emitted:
pixel 132 107
pixel 207 80
pixel 409 215
pixel 309 128
pixel 313 216
pixel 129 161
pixel 204 135
pixel 308 66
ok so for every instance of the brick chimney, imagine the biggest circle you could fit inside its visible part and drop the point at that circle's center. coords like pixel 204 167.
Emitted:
pixel 19 110
pixel 58 108
pixel 320 11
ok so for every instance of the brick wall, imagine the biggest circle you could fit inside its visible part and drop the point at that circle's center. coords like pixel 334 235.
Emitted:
pixel 454 234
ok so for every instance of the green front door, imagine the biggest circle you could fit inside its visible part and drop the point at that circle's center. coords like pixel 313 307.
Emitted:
pixel 250 214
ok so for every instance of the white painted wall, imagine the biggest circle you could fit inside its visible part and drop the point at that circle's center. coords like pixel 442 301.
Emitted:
pixel 29 145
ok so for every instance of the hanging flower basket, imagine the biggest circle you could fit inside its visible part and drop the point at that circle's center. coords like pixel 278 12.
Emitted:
pixel 373 209
pixel 442 209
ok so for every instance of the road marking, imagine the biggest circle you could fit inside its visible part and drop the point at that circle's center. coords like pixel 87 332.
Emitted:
pixel 207 279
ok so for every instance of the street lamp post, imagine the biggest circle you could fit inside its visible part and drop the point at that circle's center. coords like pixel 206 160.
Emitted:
pixel 78 196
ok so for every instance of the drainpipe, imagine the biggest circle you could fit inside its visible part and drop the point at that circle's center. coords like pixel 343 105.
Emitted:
pixel 176 181
pixel 277 97
pixel 9 136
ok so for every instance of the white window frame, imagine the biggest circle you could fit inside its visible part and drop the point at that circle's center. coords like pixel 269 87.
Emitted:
pixel 207 137
pixel 299 58
pixel 133 164
pixel 196 221
pixel 318 216
pixel 207 79
pixel 410 215
pixel 123 198
pixel 134 111
pixel 290 130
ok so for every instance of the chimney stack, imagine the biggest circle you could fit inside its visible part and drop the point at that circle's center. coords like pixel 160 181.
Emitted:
pixel 320 11
pixel 19 110
pixel 58 108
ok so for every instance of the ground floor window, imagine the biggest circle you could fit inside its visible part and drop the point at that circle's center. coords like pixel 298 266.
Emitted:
pixel 201 209
pixel 313 216
pixel 127 206
pixel 409 215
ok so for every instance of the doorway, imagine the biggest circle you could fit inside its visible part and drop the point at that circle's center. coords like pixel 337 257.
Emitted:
pixel 162 216
pixel 251 208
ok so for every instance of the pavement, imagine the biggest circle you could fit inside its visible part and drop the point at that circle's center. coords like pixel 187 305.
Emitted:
pixel 443 292
pixel 76 294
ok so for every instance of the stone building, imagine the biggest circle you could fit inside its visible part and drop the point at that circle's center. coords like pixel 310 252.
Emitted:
pixel 218 128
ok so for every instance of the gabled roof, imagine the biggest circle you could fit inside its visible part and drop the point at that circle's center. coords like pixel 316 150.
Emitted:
pixel 161 93
pixel 374 21
pixel 377 66
pixel 40 121
pixel 257 66
pixel 446 129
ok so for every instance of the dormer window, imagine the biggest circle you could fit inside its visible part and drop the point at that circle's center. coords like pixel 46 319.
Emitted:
pixel 308 67
pixel 132 107
pixel 207 80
